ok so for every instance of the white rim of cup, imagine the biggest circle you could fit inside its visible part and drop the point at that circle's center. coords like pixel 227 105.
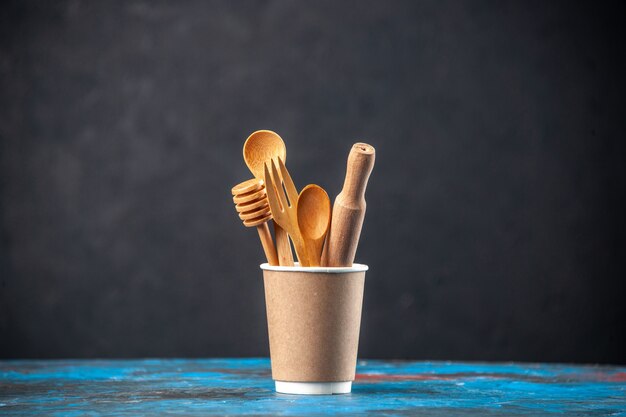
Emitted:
pixel 316 269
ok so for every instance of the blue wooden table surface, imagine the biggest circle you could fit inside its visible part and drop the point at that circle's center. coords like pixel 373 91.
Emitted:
pixel 244 387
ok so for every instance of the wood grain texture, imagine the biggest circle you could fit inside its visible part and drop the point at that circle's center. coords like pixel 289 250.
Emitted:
pixel 283 205
pixel 251 203
pixel 349 208
pixel 260 147
pixel 283 247
pixel 268 244
pixel 313 220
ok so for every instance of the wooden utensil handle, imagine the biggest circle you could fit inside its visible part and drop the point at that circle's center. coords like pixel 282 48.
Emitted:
pixel 311 253
pixel 349 208
pixel 268 245
pixel 358 170
pixel 285 256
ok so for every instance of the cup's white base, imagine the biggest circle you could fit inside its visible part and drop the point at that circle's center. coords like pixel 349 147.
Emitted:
pixel 314 388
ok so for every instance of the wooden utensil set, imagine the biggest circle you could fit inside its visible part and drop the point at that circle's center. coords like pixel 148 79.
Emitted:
pixel 303 217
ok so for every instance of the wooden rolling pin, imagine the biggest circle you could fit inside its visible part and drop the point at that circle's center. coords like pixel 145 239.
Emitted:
pixel 349 208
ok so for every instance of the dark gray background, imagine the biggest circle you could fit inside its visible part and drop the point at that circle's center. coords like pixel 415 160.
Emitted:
pixel 495 225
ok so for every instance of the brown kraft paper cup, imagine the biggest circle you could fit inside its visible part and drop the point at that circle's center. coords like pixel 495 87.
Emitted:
pixel 314 318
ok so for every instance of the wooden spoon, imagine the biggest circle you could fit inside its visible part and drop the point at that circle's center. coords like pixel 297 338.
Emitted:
pixel 261 147
pixel 313 220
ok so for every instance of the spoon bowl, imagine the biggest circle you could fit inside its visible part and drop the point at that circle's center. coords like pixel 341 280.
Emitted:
pixel 260 147
pixel 313 219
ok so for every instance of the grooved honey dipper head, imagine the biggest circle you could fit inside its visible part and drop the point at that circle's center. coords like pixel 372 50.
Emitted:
pixel 251 202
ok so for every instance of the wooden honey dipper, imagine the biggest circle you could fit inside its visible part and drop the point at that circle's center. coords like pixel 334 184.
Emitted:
pixel 251 204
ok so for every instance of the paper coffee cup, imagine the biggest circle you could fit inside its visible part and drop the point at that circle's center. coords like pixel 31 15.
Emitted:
pixel 313 318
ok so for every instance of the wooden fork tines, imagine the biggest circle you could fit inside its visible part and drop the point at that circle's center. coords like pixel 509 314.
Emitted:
pixel 283 205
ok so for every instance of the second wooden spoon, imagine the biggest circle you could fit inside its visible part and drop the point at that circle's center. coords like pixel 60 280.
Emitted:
pixel 260 147
pixel 313 220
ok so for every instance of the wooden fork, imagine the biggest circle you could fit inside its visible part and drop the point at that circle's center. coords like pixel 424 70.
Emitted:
pixel 285 207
